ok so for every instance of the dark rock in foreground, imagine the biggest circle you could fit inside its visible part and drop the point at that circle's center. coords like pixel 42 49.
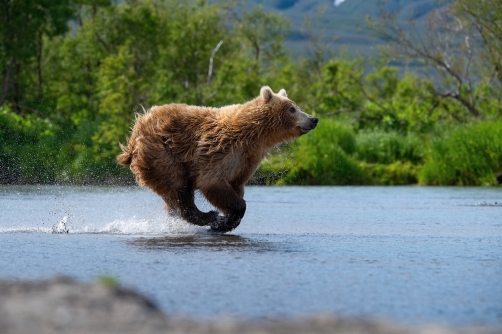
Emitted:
pixel 61 305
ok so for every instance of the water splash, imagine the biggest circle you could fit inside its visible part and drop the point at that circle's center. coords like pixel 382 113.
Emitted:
pixel 170 225
pixel 61 226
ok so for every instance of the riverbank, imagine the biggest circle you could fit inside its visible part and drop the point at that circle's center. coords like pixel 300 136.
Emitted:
pixel 334 154
pixel 62 305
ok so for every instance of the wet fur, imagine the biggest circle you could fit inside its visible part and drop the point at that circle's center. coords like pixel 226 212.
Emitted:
pixel 176 149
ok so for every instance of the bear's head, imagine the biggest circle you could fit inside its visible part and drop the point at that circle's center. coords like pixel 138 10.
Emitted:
pixel 282 116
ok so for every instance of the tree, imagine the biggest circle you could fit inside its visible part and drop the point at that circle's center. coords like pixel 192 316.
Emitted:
pixel 265 32
pixel 485 17
pixel 447 49
pixel 23 25
pixel 74 85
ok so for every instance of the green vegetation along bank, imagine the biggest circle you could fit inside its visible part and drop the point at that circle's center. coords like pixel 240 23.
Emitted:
pixel 73 75
pixel 335 154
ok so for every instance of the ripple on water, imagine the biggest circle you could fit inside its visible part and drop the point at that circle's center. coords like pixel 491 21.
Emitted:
pixel 412 254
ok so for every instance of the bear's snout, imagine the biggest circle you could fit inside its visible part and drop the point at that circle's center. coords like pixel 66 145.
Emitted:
pixel 306 122
pixel 314 122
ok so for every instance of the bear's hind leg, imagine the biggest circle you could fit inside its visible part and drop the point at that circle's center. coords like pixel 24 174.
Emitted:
pixel 185 201
pixel 179 197
pixel 225 198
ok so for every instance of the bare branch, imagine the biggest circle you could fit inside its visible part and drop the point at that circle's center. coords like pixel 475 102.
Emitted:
pixel 432 108
pixel 35 111
pixel 39 65
pixel 445 46
pixel 463 101
pixel 213 54
pixel 102 42
pixel 467 68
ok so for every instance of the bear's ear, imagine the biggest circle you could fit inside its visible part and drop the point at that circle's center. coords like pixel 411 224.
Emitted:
pixel 282 92
pixel 266 93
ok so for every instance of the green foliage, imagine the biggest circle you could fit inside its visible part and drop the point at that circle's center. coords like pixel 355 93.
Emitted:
pixel 70 91
pixel 381 98
pixel 23 26
pixel 394 174
pixel 324 156
pixel 24 148
pixel 118 58
pixel 383 147
pixel 338 90
pixel 334 154
pixel 468 155
pixel 265 33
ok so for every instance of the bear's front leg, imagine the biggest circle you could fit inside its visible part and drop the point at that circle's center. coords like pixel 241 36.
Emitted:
pixel 225 198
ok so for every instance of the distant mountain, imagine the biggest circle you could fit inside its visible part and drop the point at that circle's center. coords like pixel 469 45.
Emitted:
pixel 345 22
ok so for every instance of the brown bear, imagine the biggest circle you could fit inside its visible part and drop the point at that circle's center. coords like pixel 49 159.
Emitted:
pixel 176 149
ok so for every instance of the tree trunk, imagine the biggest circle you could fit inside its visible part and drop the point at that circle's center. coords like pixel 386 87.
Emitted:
pixel 6 82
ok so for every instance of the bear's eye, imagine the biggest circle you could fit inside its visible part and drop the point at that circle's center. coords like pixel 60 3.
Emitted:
pixel 292 110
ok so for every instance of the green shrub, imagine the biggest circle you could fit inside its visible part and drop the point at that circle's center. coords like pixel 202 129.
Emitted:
pixel 469 155
pixel 25 156
pixel 333 155
pixel 324 156
pixel 397 173
pixel 377 146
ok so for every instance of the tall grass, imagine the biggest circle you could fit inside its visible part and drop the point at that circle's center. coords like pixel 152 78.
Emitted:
pixel 468 155
pixel 389 157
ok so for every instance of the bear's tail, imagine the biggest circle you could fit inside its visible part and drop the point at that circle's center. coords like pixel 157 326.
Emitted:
pixel 125 158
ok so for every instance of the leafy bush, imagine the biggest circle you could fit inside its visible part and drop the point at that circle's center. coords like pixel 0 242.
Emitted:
pixel 324 156
pixel 382 147
pixel 333 154
pixel 468 155
pixel 25 153
pixel 397 173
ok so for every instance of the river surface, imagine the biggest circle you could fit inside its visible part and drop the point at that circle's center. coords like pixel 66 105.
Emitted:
pixel 414 255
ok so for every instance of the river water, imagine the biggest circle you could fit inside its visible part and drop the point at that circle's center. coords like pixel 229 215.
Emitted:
pixel 414 255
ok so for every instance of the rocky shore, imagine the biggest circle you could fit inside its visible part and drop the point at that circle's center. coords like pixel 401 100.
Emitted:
pixel 62 305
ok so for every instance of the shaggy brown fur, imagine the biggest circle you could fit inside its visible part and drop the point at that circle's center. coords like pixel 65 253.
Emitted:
pixel 176 149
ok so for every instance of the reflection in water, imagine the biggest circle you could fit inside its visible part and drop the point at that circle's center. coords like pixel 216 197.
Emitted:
pixel 215 243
